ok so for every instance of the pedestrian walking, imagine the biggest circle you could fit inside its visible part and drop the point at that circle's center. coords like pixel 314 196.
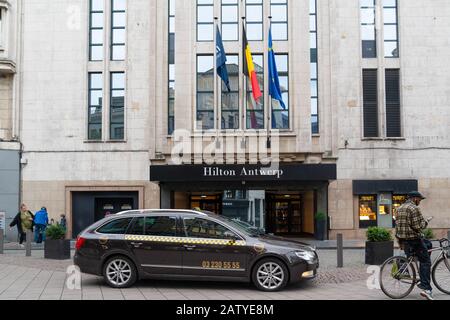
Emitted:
pixel 24 221
pixel 40 222
pixel 63 222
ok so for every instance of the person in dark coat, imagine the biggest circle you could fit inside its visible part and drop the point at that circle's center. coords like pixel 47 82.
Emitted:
pixel 24 221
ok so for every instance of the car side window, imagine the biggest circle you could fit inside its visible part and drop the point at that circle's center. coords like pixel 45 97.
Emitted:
pixel 161 226
pixel 202 228
pixel 118 226
pixel 137 228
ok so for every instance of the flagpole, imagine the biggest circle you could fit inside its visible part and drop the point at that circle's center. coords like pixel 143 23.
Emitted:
pixel 269 100
pixel 216 86
pixel 244 83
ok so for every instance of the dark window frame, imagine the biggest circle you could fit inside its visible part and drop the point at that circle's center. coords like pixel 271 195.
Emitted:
pixel 315 119
pixel 90 90
pixel 197 110
pixel 397 40
pixel 111 90
pixel 204 23
pixel 261 22
pixel 113 27
pixel 288 104
pixel 280 22
pixel 91 29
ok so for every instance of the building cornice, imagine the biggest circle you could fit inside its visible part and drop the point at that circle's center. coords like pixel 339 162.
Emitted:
pixel 7 66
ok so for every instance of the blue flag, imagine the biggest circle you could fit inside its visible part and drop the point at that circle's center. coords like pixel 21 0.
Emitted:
pixel 221 60
pixel 274 81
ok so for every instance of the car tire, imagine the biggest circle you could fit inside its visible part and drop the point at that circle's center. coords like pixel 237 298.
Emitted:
pixel 119 272
pixel 270 275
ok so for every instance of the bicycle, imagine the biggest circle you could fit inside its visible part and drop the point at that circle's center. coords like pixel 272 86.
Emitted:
pixel 398 275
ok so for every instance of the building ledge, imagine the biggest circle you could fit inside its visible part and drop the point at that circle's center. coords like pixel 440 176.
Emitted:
pixel 7 67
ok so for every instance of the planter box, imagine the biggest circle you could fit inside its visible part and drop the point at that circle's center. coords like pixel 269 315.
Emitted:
pixel 57 249
pixel 378 252
pixel 320 230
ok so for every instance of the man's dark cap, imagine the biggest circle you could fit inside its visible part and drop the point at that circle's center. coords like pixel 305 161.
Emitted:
pixel 416 194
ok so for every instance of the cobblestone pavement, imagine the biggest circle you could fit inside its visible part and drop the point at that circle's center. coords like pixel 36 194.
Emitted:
pixel 35 278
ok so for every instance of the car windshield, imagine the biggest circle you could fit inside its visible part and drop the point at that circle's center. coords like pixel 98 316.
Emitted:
pixel 245 227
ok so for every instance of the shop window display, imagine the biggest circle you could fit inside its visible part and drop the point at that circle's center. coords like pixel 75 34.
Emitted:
pixel 368 211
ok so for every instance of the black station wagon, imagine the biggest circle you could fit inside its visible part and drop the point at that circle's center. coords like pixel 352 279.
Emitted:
pixel 190 245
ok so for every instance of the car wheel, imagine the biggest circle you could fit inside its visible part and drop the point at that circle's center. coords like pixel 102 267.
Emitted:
pixel 119 272
pixel 270 275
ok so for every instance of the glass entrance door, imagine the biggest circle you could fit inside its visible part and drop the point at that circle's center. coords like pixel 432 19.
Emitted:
pixel 284 214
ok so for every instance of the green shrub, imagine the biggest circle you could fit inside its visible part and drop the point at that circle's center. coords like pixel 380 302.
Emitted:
pixel 55 232
pixel 376 234
pixel 320 216
pixel 428 234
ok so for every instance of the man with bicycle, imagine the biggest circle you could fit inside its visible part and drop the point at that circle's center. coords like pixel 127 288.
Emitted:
pixel 410 225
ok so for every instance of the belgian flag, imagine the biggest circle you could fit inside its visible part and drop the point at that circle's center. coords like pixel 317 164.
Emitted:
pixel 249 68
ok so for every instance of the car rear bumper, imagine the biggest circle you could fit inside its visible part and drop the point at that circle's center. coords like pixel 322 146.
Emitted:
pixel 87 265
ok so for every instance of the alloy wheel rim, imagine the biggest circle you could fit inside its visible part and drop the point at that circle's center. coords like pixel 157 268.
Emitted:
pixel 270 276
pixel 118 272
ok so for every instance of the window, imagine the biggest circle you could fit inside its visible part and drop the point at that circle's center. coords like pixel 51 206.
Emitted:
pixel 280 116
pixel 205 92
pixel 95 106
pixel 254 20
pixel 368 28
pixel 96 37
pixel 160 226
pixel 118 226
pixel 393 114
pixel 117 117
pixel 367 211
pixel 390 17
pixel 171 96
pixel 201 228
pixel 370 105
pixel 118 31
pixel 230 20
pixel 230 100
pixel 314 67
pixel 205 20
pixel 279 23
pixel 255 110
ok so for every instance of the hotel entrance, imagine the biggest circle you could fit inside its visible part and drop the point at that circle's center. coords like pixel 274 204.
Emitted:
pixel 283 203
pixel 206 202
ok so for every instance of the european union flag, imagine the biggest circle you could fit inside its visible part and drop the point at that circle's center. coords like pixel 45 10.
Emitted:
pixel 274 81
pixel 221 60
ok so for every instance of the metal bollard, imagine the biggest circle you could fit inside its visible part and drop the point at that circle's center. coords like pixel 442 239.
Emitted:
pixel 2 241
pixel 340 250
pixel 28 243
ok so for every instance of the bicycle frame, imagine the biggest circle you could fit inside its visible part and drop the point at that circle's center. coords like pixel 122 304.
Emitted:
pixel 412 261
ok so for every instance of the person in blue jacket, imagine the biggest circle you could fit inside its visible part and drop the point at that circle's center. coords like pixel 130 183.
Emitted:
pixel 40 222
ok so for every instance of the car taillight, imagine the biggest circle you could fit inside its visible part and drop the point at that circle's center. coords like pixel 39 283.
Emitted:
pixel 80 242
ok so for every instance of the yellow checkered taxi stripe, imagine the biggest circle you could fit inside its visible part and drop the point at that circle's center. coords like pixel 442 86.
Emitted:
pixel 181 240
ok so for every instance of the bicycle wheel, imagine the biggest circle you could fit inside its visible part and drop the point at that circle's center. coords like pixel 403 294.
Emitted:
pixel 441 275
pixel 397 277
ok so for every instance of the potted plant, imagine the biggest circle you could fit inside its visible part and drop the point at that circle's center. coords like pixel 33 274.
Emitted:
pixel 56 246
pixel 379 246
pixel 321 223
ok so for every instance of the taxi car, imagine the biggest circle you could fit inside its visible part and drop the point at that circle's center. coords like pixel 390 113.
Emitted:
pixel 190 245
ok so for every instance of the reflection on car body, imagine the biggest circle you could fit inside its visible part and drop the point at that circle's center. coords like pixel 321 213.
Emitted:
pixel 177 244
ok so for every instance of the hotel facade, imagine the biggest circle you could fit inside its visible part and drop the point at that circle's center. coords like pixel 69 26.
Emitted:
pixel 111 105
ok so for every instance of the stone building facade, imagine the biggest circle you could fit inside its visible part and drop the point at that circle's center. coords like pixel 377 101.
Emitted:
pixel 99 94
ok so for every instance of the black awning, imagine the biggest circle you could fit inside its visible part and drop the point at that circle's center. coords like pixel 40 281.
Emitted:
pixel 233 173
pixel 377 186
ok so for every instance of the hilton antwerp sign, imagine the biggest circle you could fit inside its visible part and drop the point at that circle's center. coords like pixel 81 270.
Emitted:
pixel 281 172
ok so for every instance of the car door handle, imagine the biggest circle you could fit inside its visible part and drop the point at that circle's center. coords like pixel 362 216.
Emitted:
pixel 136 244
pixel 190 247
